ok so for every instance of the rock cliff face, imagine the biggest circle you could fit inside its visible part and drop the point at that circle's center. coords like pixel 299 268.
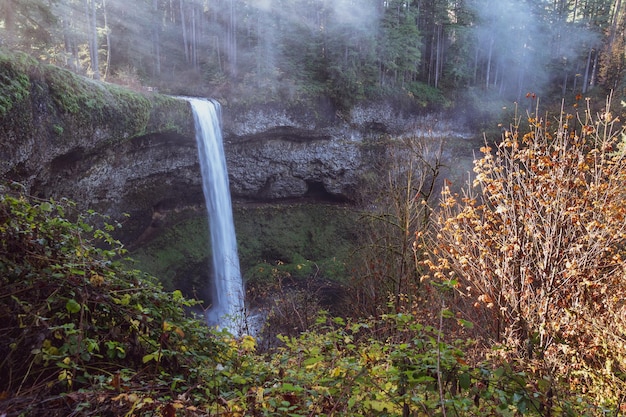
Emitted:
pixel 287 162
pixel 118 151
pixel 103 146
pixel 276 152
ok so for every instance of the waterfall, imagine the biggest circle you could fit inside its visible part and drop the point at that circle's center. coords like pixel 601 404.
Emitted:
pixel 227 291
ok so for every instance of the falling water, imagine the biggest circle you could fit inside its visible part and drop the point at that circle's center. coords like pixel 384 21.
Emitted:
pixel 227 288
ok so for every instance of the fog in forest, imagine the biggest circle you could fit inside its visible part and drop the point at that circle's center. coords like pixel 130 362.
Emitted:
pixel 346 49
pixel 524 53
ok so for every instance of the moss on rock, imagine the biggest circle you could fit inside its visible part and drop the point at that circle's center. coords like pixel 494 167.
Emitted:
pixel 296 240
pixel 47 111
pixel 179 256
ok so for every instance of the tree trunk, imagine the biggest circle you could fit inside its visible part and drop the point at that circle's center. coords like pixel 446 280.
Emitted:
pixel 594 70
pixel 9 19
pixel 193 44
pixel 489 56
pixel 156 26
pixel 92 35
pixel 69 42
pixel 475 77
pixel 438 65
pixel 108 39
pixel 520 85
pixel 586 75
pixel 614 23
pixel 232 39
pixel 184 27
pixel 431 61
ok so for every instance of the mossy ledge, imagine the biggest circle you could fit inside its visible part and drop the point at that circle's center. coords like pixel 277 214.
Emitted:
pixel 106 147
pixel 47 112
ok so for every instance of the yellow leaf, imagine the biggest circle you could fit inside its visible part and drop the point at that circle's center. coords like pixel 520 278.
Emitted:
pixel 120 397
pixel 248 343
pixel 96 280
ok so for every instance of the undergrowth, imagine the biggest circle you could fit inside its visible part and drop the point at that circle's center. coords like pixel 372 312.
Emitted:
pixel 83 336
pixel 75 321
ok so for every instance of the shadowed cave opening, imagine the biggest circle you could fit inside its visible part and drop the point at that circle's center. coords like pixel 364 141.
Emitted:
pixel 317 191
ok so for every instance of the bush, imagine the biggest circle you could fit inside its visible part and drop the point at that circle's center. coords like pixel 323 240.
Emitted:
pixel 428 96
pixel 74 319
pixel 537 245
pixel 395 218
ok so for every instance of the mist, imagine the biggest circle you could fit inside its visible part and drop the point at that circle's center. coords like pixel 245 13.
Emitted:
pixel 524 50
pixel 349 50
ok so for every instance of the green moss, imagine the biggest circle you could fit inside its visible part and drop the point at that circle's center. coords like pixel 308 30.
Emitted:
pixel 88 101
pixel 78 104
pixel 131 103
pixel 278 240
pixel 295 240
pixel 178 110
pixel 14 86
pixel 175 252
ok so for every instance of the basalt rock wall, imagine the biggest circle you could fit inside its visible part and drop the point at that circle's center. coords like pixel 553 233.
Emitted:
pixel 119 151
pixel 276 151
pixel 105 147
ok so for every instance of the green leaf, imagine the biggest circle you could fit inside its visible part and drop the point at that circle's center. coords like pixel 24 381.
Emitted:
pixel 447 314
pixel 380 406
pixel 312 361
pixel 177 295
pixel 75 271
pixel 466 323
pixel 287 387
pixel 424 379
pixel 339 321
pixel 465 381
pixel 72 306
pixel 125 300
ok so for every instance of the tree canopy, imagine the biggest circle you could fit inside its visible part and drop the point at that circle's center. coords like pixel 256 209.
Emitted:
pixel 346 49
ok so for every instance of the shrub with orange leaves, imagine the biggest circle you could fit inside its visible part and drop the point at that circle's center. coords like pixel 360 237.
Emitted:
pixel 537 242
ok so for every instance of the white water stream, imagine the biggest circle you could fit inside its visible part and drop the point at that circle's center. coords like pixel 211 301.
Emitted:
pixel 227 292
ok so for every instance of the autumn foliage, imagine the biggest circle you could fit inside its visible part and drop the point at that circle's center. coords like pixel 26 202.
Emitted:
pixel 535 247
pixel 514 307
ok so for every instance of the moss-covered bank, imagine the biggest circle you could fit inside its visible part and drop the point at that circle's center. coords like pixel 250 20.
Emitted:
pixel 296 240
pixel 47 111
